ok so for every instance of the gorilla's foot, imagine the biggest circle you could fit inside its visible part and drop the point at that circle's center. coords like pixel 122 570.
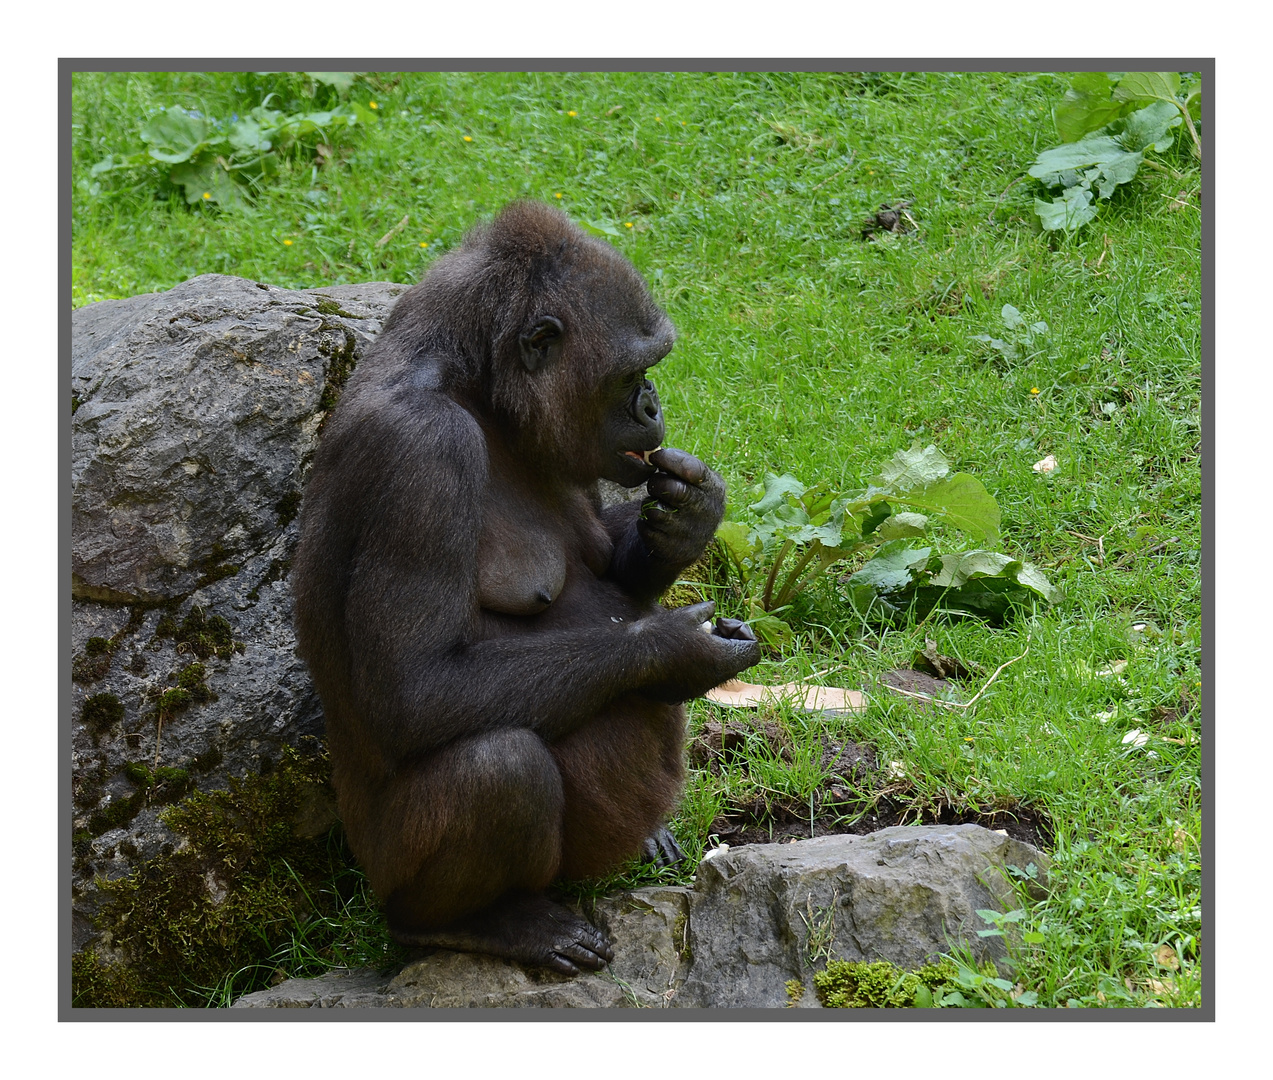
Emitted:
pixel 662 848
pixel 528 928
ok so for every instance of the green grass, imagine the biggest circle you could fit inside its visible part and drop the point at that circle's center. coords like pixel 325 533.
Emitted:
pixel 805 348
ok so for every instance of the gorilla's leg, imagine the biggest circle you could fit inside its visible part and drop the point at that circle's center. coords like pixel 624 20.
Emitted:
pixel 621 775
pixel 496 802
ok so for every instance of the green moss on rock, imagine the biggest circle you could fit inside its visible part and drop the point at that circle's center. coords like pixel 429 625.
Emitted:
pixel 200 633
pixel 877 984
pixel 239 891
pixel 101 712
pixel 94 662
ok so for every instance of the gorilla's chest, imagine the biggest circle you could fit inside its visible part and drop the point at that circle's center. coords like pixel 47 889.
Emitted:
pixel 529 547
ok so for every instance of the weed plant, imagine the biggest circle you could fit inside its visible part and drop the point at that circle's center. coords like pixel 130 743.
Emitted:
pixel 812 344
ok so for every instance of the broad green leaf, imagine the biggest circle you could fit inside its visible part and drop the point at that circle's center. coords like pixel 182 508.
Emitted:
pixel 776 490
pixel 894 567
pixel 1061 166
pixel 958 570
pixel 318 119
pixel 771 630
pixel 829 534
pixel 361 114
pixel 599 228
pixel 1148 127
pixel 738 542
pixel 900 526
pixel 1073 209
pixel 206 182
pixel 868 520
pixel 1008 350
pixel 960 500
pixel 1012 318
pixel 1033 578
pixel 818 500
pixel 174 135
pixel 246 134
pixel 913 468
pixel 1194 103
pixel 1147 85
pixel 1086 106
pixel 341 80
pixel 123 161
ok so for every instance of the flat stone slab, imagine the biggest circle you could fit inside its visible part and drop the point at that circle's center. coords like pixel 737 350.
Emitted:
pixel 755 918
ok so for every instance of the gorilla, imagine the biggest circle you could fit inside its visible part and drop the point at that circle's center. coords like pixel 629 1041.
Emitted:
pixel 502 689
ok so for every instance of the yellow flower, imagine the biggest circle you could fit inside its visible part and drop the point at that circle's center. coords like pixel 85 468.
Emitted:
pixel 1034 389
pixel 288 243
pixel 207 194
pixel 556 194
pixel 572 113
pixel 424 243
pixel 468 138
pixel 628 224
pixel 372 105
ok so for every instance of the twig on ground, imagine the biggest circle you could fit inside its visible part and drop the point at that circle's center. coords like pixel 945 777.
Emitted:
pixel 971 701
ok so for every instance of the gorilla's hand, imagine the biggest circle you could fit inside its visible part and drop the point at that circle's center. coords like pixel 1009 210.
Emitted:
pixel 694 653
pixel 686 502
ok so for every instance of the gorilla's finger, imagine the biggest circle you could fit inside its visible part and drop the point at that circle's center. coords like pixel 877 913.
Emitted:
pixel 679 463
pixel 670 490
pixel 734 629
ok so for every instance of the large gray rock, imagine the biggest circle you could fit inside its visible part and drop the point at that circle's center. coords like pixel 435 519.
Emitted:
pixel 196 415
pixel 756 918
pixel 760 915
pixel 196 412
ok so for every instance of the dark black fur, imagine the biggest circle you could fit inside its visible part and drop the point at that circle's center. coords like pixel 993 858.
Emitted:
pixel 500 685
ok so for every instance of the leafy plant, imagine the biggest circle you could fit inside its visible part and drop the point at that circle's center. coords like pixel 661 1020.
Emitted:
pixel 1109 122
pixel 214 161
pixel 902 580
pixel 979 986
pixel 799 533
pixel 1019 336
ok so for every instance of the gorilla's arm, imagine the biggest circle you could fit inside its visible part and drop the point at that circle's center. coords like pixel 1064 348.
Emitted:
pixel 411 616
pixel 670 529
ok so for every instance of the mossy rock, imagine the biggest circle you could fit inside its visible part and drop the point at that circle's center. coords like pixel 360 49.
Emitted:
pixel 223 912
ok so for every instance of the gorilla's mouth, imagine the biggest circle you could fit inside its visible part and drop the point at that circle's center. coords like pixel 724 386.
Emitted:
pixel 643 456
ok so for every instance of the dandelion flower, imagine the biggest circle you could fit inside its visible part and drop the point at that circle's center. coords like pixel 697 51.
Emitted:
pixel 288 243
pixel 207 194
pixel 556 194
pixel 627 224
pixel 468 138
pixel 572 113
pixel 372 105
pixel 424 243
pixel 1034 389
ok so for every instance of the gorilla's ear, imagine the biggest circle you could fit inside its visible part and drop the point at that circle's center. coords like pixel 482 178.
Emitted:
pixel 541 343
